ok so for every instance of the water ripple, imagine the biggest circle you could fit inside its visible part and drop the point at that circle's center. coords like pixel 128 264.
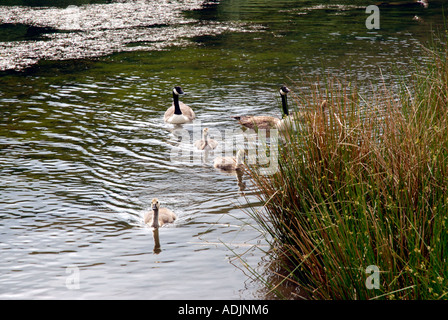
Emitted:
pixel 101 29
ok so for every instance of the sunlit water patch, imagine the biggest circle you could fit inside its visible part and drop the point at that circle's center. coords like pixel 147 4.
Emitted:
pixel 94 30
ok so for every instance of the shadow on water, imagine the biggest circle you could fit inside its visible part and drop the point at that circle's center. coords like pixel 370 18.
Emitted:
pixel 22 32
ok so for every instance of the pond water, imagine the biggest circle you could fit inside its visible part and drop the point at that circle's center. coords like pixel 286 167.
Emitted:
pixel 84 149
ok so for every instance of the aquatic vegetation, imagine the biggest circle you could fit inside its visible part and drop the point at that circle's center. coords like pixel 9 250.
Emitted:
pixel 358 208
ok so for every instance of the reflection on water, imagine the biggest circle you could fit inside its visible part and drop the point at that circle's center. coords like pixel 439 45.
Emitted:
pixel 93 30
pixel 80 162
pixel 84 149
pixel 157 248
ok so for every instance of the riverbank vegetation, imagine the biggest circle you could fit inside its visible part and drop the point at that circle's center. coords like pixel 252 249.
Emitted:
pixel 364 183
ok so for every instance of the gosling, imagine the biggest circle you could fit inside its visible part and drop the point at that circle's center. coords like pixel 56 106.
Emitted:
pixel 230 163
pixel 159 216
pixel 205 143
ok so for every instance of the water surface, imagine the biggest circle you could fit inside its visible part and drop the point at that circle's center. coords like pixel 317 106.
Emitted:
pixel 83 147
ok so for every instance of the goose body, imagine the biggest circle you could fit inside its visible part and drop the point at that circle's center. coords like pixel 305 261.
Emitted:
pixel 265 122
pixel 179 112
pixel 258 122
pixel 229 163
pixel 159 216
pixel 205 143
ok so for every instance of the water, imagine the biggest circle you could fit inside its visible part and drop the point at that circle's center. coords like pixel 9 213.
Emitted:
pixel 83 147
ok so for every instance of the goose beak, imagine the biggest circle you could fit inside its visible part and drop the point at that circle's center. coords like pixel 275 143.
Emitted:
pixel 154 206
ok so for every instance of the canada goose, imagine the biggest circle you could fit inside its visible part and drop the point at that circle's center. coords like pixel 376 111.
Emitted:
pixel 265 122
pixel 179 112
pixel 205 142
pixel 257 122
pixel 230 163
pixel 159 216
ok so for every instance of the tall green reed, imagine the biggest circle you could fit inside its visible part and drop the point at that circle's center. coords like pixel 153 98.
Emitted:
pixel 364 182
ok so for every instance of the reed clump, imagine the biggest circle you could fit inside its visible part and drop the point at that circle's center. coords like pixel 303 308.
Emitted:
pixel 364 183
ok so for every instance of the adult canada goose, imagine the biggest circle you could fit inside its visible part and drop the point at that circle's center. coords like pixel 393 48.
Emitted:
pixel 265 122
pixel 159 216
pixel 230 163
pixel 179 112
pixel 205 142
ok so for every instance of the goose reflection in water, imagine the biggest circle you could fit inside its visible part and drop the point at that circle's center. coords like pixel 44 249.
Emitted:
pixel 157 248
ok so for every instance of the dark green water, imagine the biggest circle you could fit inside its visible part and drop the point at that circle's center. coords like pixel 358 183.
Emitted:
pixel 84 149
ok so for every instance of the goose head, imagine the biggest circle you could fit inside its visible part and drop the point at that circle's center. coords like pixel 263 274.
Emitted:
pixel 205 132
pixel 155 204
pixel 284 90
pixel 177 90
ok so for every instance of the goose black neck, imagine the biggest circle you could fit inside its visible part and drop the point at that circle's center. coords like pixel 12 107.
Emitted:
pixel 176 104
pixel 285 105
